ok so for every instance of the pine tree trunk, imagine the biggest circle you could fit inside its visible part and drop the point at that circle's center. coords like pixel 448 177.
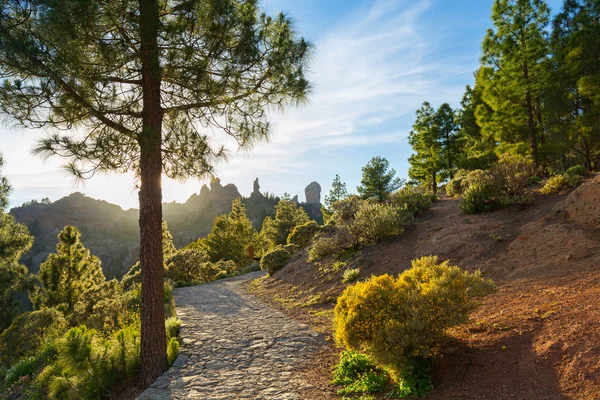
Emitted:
pixel 153 336
pixel 531 129
pixel 434 183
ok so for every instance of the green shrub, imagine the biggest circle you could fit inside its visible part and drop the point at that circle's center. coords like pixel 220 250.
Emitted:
pixel 350 275
pixel 558 183
pixel 358 375
pixel 173 327
pixel 412 201
pixel 511 173
pixel 39 326
pixel 474 177
pixel 302 235
pixel 274 260
pixel 481 197
pixel 185 266
pixel 324 246
pixel 454 187
pixel 172 350
pixel 291 248
pixel 374 221
pixel 88 365
pixel 577 170
pixel 532 180
pixel 227 266
pixel 402 323
pixel 25 367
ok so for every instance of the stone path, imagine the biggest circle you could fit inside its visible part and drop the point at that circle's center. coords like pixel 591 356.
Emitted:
pixel 235 347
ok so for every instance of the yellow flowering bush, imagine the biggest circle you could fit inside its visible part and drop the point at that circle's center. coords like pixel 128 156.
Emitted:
pixel 399 320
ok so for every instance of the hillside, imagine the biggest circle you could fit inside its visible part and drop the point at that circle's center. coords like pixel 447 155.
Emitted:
pixel 112 233
pixel 537 338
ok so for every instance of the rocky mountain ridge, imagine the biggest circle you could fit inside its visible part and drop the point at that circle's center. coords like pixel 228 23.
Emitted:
pixel 112 233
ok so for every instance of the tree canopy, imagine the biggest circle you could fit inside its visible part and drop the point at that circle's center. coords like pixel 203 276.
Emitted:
pixel 378 180
pixel 136 86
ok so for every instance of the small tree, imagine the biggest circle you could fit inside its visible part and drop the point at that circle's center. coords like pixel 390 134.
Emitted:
pixel 67 274
pixel 378 180
pixel 140 79
pixel 338 191
pixel 287 216
pixel 230 237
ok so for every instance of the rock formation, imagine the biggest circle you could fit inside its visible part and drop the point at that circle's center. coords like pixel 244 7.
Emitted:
pixel 313 193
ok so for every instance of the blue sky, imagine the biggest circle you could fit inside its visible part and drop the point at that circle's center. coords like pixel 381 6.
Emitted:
pixel 374 63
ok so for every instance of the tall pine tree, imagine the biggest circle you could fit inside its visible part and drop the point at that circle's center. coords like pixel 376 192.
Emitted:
pixel 426 141
pixel 338 191
pixel 513 73
pixel 140 80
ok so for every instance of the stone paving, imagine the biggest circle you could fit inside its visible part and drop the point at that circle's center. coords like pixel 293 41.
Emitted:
pixel 235 347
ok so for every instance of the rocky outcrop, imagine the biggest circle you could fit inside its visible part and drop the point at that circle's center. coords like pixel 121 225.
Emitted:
pixel 313 193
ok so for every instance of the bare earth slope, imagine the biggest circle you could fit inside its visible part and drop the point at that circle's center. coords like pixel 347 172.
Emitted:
pixel 537 338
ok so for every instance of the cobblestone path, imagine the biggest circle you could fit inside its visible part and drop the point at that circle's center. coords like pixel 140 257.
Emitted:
pixel 235 347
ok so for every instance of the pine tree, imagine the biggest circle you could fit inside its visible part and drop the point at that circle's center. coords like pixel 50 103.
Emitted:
pixel 67 274
pixel 513 73
pixel 288 215
pixel 378 180
pixel 338 191
pixel 15 240
pixel 450 139
pixel 572 103
pixel 140 79
pixel 426 141
pixel 168 247
pixel 230 237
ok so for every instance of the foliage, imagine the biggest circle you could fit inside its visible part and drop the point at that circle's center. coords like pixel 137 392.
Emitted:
pixel 105 307
pixel 374 221
pixel 173 327
pixel 395 321
pixel 137 79
pixel 558 183
pixel 513 72
pixel 436 144
pixel 39 327
pixel 378 180
pixel 338 191
pixel 186 265
pixel 87 364
pixel 287 216
pixel 481 197
pixel 350 275
pixel 322 247
pixel 511 173
pixel 172 350
pixel 411 200
pixel 15 241
pixel 230 237
pixel 274 260
pixel 358 374
pixel 577 170
pixel 67 274
pixel 302 235
pixel 454 187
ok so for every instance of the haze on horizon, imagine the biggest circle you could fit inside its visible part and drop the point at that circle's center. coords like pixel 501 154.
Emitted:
pixel 374 64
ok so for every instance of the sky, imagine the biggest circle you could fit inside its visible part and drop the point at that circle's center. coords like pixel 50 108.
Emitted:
pixel 374 63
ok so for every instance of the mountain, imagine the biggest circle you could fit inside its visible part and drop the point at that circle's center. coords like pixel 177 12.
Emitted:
pixel 112 233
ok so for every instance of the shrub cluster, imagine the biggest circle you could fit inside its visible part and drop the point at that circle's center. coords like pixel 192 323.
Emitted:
pixel 357 223
pixel 274 260
pixel 401 323
pixel 558 183
pixel 504 184
pixel 303 234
